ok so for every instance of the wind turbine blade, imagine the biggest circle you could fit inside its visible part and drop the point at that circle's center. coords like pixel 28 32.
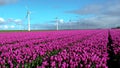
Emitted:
pixel 26 7
pixel 26 16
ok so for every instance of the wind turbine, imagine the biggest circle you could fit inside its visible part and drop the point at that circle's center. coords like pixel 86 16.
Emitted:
pixel 28 18
pixel 57 22
pixel 70 23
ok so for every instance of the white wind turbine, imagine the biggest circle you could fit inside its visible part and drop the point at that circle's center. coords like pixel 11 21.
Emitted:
pixel 57 22
pixel 70 23
pixel 28 18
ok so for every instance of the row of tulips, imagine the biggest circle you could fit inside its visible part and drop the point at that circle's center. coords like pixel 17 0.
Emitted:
pixel 115 36
pixel 91 53
pixel 12 38
pixel 30 54
pixel 7 38
pixel 39 42
pixel 115 43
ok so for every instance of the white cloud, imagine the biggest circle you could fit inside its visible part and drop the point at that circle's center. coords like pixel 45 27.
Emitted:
pixel 16 21
pixel 2 20
pixel 61 21
pixel 6 27
pixel 12 26
pixel 1 26
pixel 10 20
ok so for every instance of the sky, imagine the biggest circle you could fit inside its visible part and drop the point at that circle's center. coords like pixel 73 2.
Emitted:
pixel 71 14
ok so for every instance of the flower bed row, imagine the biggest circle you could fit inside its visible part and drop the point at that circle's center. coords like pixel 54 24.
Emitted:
pixel 26 54
pixel 115 36
pixel 91 53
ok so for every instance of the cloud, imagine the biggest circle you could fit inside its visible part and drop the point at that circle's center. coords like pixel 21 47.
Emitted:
pixel 11 20
pixel 4 2
pixel 43 26
pixel 2 20
pixel 6 27
pixel 10 23
pixel 1 27
pixel 113 10
pixel 54 21
pixel 61 21
pixel 12 26
pixel 105 15
pixel 98 10
pixel 91 9
pixel 102 21
pixel 16 21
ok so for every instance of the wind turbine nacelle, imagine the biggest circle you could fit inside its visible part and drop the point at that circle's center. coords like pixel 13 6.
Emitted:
pixel 61 21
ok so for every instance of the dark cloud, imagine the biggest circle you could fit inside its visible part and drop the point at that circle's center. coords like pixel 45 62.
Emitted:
pixel 113 9
pixel 102 21
pixel 105 15
pixel 92 9
pixel 4 2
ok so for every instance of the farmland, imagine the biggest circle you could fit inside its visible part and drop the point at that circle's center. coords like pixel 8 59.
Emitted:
pixel 60 49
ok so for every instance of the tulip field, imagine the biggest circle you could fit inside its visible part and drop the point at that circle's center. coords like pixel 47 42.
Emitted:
pixel 60 49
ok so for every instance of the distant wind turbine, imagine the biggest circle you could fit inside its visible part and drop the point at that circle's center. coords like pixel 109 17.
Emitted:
pixel 58 21
pixel 28 18
pixel 70 23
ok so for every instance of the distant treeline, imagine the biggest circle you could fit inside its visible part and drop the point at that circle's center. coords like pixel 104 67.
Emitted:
pixel 116 27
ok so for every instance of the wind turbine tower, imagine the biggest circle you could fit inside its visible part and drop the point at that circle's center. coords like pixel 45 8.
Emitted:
pixel 57 22
pixel 70 23
pixel 28 17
